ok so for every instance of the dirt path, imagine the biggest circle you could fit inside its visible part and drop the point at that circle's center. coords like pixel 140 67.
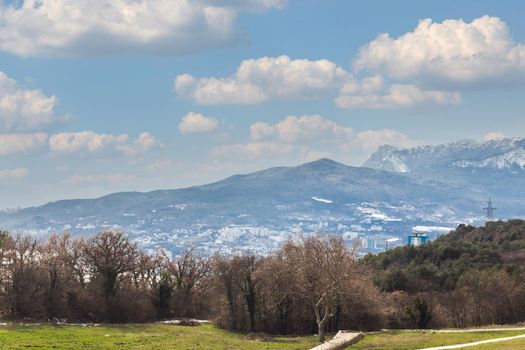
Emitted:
pixel 481 342
pixel 342 340
pixel 462 330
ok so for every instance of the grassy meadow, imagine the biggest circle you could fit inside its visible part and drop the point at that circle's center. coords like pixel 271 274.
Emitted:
pixel 207 337
pixel 140 337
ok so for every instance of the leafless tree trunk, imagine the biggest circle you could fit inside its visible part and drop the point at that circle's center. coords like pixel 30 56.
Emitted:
pixel 321 265
pixel 247 283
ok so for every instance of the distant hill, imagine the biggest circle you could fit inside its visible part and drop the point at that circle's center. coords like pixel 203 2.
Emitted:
pixel 395 191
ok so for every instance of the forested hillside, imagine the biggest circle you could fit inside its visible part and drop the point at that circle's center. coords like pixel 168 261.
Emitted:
pixel 471 276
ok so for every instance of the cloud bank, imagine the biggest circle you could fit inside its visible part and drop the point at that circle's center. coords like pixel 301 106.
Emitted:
pixel 309 137
pixel 430 66
pixel 451 51
pixel 89 142
pixel 80 27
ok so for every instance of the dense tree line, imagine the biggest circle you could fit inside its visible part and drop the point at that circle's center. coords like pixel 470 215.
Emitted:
pixel 309 286
pixel 102 279
pixel 473 276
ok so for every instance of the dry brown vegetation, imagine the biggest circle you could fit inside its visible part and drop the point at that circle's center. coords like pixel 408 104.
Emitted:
pixel 310 286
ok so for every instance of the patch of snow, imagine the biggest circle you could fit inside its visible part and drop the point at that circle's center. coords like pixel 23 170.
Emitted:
pixel 379 216
pixel 322 200
pixel 428 229
pixel 178 321
pixel 396 164
pixel 506 160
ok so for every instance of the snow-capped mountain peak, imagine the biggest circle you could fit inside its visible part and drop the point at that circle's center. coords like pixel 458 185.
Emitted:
pixel 495 154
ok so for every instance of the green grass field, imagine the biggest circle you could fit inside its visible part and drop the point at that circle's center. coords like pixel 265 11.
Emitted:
pixel 164 337
pixel 410 340
pixel 135 337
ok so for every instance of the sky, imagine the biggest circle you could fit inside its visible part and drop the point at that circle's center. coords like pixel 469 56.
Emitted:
pixel 103 96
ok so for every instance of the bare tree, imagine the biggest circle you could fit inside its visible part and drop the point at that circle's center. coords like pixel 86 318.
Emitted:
pixel 321 266
pixel 23 279
pixel 190 274
pixel 276 292
pixel 53 253
pixel 111 258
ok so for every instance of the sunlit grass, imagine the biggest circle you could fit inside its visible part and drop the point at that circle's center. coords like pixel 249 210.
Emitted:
pixel 140 337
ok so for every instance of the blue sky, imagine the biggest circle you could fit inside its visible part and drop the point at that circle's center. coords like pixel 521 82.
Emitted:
pixel 105 96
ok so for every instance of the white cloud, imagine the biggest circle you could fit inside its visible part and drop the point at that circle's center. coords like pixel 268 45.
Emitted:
pixel 491 136
pixel 317 130
pixel 65 27
pixel 19 143
pixel 275 151
pixel 259 80
pixel 24 109
pixel 293 128
pixel 370 140
pixel 69 142
pixel 193 123
pixel 399 96
pixel 89 141
pixel 140 146
pixel 308 137
pixel 451 51
pixel 14 173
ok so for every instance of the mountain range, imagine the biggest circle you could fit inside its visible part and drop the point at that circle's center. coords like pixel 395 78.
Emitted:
pixel 395 191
